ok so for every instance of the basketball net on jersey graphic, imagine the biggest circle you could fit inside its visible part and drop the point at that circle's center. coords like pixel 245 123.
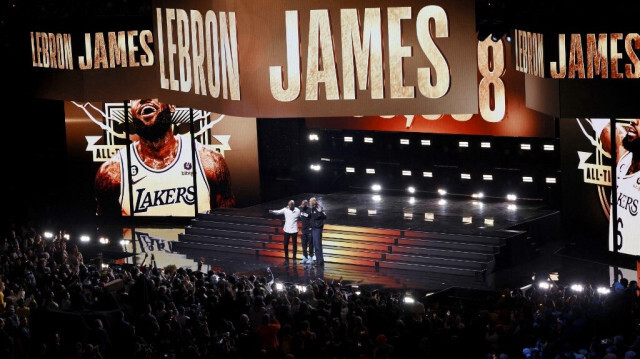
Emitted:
pixel 111 120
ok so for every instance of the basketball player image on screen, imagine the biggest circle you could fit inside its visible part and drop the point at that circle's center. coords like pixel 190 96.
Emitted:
pixel 161 170
pixel 628 182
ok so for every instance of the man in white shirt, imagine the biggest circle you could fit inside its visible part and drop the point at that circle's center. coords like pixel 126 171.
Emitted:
pixel 291 215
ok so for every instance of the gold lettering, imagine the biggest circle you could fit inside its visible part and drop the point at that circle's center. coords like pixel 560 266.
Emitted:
pixel 615 55
pixel 367 49
pixel 211 45
pixel 631 42
pixel 117 49
pixel 440 29
pixel 68 54
pixel 540 54
pixel 491 67
pixel 146 37
pixel 33 51
pixel 229 54
pixel 559 69
pixel 184 61
pixel 597 57
pixel 197 44
pixel 45 49
pixel 397 52
pixel 86 62
pixel 164 82
pixel 100 52
pixel 131 35
pixel 276 78
pixel 53 51
pixel 576 60
pixel 321 44
pixel 172 50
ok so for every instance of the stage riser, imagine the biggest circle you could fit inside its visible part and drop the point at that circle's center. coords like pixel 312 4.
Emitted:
pixel 424 243
pixel 344 259
pixel 211 220
pixel 332 249
pixel 277 242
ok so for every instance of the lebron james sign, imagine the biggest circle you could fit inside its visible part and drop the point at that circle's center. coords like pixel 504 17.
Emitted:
pixel 269 58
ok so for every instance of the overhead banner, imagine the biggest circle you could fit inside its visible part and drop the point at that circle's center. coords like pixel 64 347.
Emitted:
pixel 501 109
pixel 279 58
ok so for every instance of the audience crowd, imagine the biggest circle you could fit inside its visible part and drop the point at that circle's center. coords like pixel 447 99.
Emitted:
pixel 53 304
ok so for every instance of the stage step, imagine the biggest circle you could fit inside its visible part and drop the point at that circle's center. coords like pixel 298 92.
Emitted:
pixel 426 254
pixel 213 228
pixel 336 255
pixel 338 248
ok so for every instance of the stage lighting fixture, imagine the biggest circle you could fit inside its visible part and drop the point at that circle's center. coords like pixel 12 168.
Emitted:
pixel 429 217
pixel 511 197
pixel 352 211
pixel 348 139
pixel 85 238
pixel 368 140
pixel 412 200
pixel 301 288
pixel 494 38
pixel 425 142
pixel 357 292
pixel 48 235
pixel 124 242
pixel 478 195
pixel 550 180
pixel 478 203
pixel 463 144
pixel 527 179
pixel 442 202
pixel 377 198
pixel 577 288
pixel 350 170
pixel 66 236
pixel 313 137
pixel 371 171
pixel 487 177
pixel 549 147
pixel 512 207
pixel 488 222
pixel 442 192
pixel 411 189
pixel 408 215
pixel 544 285
pixel 324 159
pixel 603 290
pixel 376 187
pixel 508 38
pixel 372 212
pixel 104 266
pixel 279 286
pixel 485 144
pixel 465 175
pixel 427 174
pixel 467 220
pixel 409 300
pixel 103 240
pixel 525 146
pixel 404 141
pixel 406 173
pixel 315 167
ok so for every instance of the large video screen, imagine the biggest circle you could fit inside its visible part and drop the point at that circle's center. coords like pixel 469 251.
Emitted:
pixel 591 205
pixel 144 157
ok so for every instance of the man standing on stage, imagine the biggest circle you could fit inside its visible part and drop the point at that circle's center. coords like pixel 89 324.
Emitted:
pixel 291 216
pixel 317 223
pixel 306 237
pixel 627 141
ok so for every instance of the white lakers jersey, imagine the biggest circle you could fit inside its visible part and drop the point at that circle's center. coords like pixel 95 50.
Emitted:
pixel 164 192
pixel 628 202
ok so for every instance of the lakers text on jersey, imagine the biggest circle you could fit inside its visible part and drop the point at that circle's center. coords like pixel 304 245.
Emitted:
pixel 168 191
pixel 627 225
